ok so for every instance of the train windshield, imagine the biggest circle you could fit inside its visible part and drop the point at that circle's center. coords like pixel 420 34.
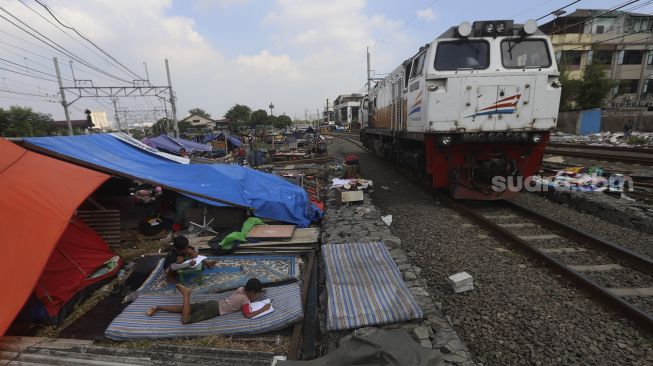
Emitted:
pixel 462 55
pixel 519 53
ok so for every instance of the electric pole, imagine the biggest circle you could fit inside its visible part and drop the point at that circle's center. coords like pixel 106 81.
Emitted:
pixel 115 111
pixel 368 71
pixel 63 97
pixel 172 102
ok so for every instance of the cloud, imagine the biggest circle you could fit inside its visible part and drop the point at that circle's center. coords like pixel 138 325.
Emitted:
pixel 266 62
pixel 304 52
pixel 426 14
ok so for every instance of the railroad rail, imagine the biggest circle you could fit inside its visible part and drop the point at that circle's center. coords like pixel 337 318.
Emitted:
pixel 598 153
pixel 642 150
pixel 560 232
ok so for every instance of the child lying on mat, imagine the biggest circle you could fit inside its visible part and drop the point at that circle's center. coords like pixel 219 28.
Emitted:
pixel 181 256
pixel 238 300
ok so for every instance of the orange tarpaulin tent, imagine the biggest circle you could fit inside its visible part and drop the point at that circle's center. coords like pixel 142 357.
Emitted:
pixel 38 197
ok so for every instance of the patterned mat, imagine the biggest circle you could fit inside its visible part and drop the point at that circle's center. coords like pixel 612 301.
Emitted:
pixel 132 323
pixel 365 287
pixel 230 272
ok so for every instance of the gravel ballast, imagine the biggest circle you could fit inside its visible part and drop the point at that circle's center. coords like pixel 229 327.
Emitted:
pixel 519 312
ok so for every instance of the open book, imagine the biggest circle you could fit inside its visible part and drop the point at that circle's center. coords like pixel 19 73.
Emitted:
pixel 198 261
pixel 258 305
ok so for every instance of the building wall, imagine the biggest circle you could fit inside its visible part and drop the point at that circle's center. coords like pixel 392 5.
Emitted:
pixel 101 121
pixel 611 121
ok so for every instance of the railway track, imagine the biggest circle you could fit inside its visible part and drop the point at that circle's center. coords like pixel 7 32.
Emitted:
pixel 347 136
pixel 605 270
pixel 643 156
pixel 642 150
pixel 612 275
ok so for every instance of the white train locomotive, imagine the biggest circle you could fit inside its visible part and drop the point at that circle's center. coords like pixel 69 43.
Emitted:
pixel 477 102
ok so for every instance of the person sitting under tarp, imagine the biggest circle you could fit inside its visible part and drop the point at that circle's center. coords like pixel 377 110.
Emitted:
pixel 239 300
pixel 181 258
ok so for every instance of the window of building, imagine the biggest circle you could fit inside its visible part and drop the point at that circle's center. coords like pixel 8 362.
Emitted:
pixel 632 57
pixel 628 86
pixel 599 29
pixel 525 53
pixel 570 57
pixel 648 87
pixel 602 57
pixel 462 55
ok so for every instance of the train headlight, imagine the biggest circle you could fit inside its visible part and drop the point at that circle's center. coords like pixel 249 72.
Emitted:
pixel 446 140
pixel 530 26
pixel 488 28
pixel 536 138
pixel 501 27
pixel 464 29
pixel 523 136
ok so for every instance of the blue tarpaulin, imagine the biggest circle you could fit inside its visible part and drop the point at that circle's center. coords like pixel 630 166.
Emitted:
pixel 269 196
pixel 173 145
pixel 215 136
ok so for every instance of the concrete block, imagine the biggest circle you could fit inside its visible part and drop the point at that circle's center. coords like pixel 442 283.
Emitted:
pixel 460 279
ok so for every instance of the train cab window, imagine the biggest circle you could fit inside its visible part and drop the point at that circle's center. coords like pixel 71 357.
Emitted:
pixel 418 65
pixel 462 55
pixel 521 53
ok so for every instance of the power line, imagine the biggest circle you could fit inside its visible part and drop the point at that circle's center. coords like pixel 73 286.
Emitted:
pixel 28 68
pixel 29 75
pixel 564 7
pixel 81 35
pixel 611 39
pixel 58 47
pixel 596 16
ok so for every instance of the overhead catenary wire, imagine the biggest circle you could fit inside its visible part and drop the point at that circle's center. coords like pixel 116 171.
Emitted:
pixel 124 69
pixel 28 68
pixel 559 9
pixel 28 75
pixel 54 45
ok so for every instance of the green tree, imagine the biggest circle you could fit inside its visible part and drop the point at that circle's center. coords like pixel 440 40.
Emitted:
pixel 238 115
pixel 160 127
pixel 23 122
pixel 594 87
pixel 199 112
pixel 569 92
pixel 184 126
pixel 259 117
pixel 282 121
pixel 137 134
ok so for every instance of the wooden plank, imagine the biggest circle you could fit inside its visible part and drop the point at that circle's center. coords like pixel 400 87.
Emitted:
pixel 296 337
pixel 300 236
pixel 262 232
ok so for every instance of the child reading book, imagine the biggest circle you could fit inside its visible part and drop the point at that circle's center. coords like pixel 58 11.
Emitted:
pixel 239 300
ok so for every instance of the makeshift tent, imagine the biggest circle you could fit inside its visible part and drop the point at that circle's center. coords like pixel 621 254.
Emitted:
pixel 78 261
pixel 39 195
pixel 269 196
pixel 221 136
pixel 173 145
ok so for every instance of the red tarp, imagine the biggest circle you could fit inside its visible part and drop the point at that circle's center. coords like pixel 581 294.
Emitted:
pixel 79 252
pixel 39 195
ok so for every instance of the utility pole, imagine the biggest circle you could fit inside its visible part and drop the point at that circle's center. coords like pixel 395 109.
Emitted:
pixel 172 102
pixel 368 72
pixel 115 112
pixel 63 97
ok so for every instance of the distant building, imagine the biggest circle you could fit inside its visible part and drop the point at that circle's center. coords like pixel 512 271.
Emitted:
pixel 345 108
pixel 222 124
pixel 101 121
pixel 620 42
pixel 200 125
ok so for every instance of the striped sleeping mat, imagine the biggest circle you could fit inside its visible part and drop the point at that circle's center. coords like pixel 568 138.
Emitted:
pixel 365 287
pixel 132 323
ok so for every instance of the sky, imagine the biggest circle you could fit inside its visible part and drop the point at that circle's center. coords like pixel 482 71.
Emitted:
pixel 292 53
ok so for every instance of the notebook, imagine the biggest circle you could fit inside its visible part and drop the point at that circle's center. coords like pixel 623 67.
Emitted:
pixel 258 305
